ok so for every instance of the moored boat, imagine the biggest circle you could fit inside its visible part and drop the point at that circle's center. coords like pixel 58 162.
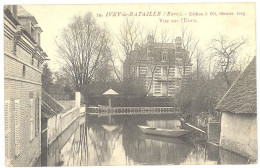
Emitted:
pixel 164 132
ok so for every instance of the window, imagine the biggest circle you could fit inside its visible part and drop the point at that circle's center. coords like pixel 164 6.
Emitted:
pixel 164 56
pixel 24 71
pixel 164 71
pixel 38 65
pixel 39 38
pixel 32 31
pixel 136 69
pixel 179 72
pixel 17 126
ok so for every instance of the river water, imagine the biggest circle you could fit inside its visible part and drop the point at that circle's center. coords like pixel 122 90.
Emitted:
pixel 118 141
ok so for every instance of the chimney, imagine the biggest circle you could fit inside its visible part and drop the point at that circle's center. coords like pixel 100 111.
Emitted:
pixel 137 46
pixel 178 41
pixel 150 39
pixel 77 99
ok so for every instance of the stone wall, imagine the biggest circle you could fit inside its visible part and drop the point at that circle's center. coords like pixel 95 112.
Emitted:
pixel 60 122
pixel 239 134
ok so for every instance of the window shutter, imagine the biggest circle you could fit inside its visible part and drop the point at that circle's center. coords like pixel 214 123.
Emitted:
pixel 7 129
pixel 31 119
pixel 17 126
pixel 37 116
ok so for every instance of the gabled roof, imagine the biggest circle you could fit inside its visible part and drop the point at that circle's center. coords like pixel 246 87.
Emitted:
pixel 241 97
pixel 219 83
pixel 110 92
pixel 50 106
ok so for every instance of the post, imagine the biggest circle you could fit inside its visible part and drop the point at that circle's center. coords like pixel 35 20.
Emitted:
pixel 109 101
pixel 77 99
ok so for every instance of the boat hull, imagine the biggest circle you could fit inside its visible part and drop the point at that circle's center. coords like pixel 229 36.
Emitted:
pixel 164 132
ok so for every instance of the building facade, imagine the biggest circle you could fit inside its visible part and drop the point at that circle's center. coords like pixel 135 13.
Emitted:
pixel 238 110
pixel 158 68
pixel 23 58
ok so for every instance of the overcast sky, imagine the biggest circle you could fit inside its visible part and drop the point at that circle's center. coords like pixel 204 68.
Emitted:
pixel 53 18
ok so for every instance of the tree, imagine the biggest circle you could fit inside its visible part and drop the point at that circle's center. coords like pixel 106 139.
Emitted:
pixel 189 45
pixel 47 79
pixel 83 46
pixel 225 52
pixel 61 88
pixel 129 35
pixel 128 38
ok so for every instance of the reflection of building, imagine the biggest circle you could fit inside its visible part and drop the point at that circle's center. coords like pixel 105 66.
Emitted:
pixel 23 58
pixel 239 119
pixel 158 68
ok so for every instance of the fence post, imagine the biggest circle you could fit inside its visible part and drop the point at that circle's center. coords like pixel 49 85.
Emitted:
pixel 77 99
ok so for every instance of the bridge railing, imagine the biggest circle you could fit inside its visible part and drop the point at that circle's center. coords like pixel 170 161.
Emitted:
pixel 132 110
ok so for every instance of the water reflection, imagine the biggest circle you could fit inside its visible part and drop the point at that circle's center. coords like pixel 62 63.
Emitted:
pixel 119 141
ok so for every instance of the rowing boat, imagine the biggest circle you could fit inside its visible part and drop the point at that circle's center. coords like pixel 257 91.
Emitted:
pixel 164 132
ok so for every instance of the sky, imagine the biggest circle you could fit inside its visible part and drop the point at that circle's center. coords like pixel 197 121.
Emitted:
pixel 53 18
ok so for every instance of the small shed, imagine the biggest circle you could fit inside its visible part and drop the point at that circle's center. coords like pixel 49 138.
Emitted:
pixel 239 115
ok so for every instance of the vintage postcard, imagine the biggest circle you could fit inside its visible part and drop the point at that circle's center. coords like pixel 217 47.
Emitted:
pixel 130 84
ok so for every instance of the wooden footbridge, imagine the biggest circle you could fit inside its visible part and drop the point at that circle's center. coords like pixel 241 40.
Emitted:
pixel 106 111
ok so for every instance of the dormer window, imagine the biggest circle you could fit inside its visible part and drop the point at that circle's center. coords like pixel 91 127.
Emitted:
pixel 38 31
pixel 13 10
pixel 32 31
pixel 38 38
pixel 164 56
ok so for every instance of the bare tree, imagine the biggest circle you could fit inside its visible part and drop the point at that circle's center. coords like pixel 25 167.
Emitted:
pixel 189 46
pixel 200 62
pixel 129 35
pixel 226 52
pixel 83 46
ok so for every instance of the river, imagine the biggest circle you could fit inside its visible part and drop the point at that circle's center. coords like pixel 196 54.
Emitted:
pixel 118 141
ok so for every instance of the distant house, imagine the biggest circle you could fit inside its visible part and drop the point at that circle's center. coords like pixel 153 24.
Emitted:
pixel 23 58
pixel 157 68
pixel 239 115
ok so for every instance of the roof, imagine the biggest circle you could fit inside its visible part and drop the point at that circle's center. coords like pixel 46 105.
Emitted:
pixel 22 13
pixel 50 106
pixel 9 14
pixel 164 45
pixel 219 83
pixel 110 92
pixel 241 97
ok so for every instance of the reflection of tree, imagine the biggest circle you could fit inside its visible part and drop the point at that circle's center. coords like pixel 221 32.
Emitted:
pixel 76 153
pixel 91 144
pixel 94 143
